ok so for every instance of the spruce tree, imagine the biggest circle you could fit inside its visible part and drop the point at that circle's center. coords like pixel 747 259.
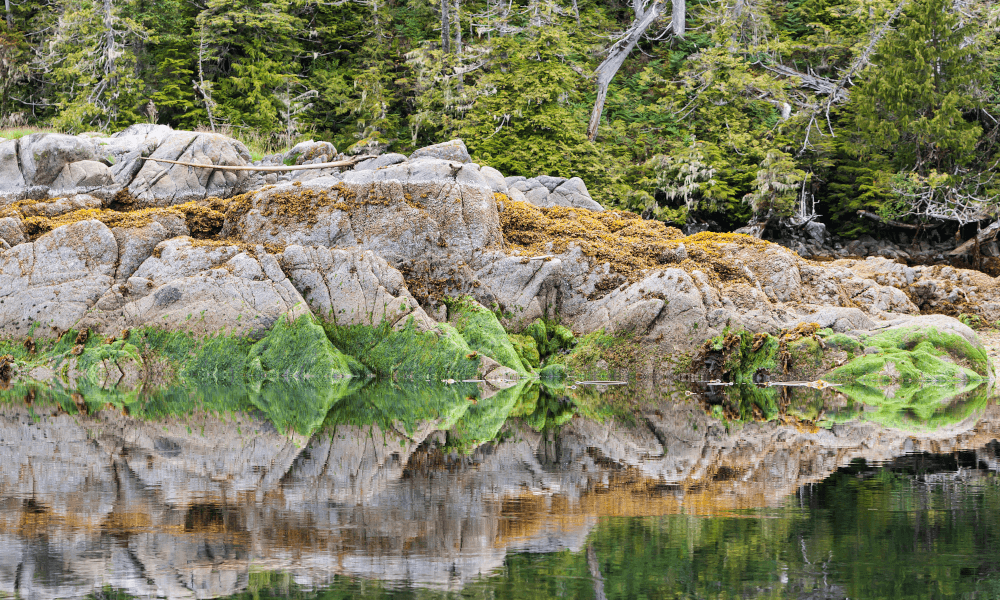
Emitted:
pixel 913 101
pixel 90 64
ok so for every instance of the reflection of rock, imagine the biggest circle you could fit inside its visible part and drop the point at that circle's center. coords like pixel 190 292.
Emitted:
pixel 185 507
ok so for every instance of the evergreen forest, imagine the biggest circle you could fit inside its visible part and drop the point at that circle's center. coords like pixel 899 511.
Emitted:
pixel 731 111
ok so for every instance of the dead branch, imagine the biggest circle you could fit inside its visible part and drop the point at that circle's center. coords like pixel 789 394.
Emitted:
pixel 874 217
pixel 329 165
pixel 984 236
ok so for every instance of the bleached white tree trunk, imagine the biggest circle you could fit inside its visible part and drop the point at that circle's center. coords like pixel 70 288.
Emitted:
pixel 445 28
pixel 617 54
pixel 10 14
pixel 678 17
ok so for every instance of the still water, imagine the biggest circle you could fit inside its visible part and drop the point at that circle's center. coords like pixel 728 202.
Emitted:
pixel 385 490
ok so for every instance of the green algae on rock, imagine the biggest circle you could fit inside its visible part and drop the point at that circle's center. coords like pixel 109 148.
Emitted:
pixel 915 354
pixel 484 333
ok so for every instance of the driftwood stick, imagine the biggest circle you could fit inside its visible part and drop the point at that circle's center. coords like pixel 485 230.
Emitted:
pixel 984 236
pixel 874 217
pixel 339 163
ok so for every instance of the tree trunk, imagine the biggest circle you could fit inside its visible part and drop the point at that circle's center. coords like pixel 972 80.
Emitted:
pixel 200 86
pixel 445 28
pixel 678 17
pixel 595 573
pixel 458 27
pixel 576 12
pixel 10 15
pixel 616 56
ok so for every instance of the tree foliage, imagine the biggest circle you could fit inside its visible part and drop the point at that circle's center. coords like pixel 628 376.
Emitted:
pixel 853 103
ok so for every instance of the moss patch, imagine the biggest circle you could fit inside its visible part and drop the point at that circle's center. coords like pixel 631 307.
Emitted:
pixel 916 354
pixel 484 333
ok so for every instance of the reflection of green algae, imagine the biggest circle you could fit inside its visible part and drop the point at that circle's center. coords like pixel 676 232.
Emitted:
pixel 751 402
pixel 291 406
pixel 912 407
pixel 403 406
pixel 483 420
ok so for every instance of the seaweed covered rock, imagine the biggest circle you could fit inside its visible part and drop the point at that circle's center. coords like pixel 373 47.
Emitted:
pixel 623 274
pixel 434 220
pixel 925 348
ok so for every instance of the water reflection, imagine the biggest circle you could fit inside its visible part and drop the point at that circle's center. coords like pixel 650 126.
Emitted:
pixel 203 493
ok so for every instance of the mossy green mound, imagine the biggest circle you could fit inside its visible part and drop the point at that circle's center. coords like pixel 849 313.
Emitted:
pixel 914 354
pixel 484 333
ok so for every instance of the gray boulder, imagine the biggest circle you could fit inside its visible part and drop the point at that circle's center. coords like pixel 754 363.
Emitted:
pixel 44 155
pixel 201 290
pixel 56 279
pixel 522 288
pixel 546 191
pixel 550 182
pixel 84 175
pixel 495 179
pixel 452 150
pixel 164 184
pixel 351 287
pixel 309 151
pixel 12 231
pixel 573 194
pixel 425 217
pixel 378 162
pixel 12 184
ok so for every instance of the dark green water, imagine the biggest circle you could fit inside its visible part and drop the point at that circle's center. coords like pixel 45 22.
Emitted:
pixel 385 490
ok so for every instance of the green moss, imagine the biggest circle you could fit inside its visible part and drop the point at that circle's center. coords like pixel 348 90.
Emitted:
pixel 742 355
pixel 553 371
pixel 299 349
pixel 916 354
pixel 526 348
pixel 484 333
pixel 806 350
pixel 839 341
pixel 536 331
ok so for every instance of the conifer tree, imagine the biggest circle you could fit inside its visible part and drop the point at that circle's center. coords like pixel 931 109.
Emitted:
pixel 913 101
pixel 252 59
pixel 91 66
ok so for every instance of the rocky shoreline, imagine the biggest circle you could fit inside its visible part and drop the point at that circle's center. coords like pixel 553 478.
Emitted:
pixel 122 269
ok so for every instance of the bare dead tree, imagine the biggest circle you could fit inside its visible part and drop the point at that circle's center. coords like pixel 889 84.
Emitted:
pixel 10 14
pixel 445 28
pixel 617 54
pixel 458 27
pixel 859 63
pixel 204 89
pixel 678 17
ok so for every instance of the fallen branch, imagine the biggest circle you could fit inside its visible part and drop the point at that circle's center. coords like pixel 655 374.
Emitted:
pixel 874 217
pixel 329 165
pixel 984 235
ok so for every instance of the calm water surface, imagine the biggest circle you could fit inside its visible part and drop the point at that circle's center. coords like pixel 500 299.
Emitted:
pixel 385 490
